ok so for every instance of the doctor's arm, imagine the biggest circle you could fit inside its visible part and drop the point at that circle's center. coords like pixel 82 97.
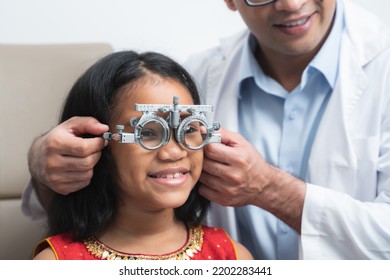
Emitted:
pixel 62 160
pixel 332 224
pixel 235 174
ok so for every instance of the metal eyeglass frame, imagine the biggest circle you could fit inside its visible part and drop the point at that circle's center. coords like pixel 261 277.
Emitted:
pixel 173 121
pixel 255 4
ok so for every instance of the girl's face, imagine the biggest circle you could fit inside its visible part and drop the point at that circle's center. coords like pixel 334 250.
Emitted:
pixel 153 179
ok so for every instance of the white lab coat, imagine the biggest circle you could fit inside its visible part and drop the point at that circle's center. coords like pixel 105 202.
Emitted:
pixel 346 212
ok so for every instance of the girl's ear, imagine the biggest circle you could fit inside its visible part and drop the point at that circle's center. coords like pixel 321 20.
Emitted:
pixel 231 5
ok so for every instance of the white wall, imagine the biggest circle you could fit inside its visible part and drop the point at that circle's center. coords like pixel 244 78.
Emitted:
pixel 175 27
pixel 379 7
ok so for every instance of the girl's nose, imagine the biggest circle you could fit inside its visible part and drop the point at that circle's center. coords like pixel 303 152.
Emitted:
pixel 172 151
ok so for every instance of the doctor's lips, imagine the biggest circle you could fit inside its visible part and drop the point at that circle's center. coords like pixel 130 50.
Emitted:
pixel 294 22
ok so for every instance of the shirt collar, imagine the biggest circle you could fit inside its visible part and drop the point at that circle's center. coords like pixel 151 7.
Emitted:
pixel 323 62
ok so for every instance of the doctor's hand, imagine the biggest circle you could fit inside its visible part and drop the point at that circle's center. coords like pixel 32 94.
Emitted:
pixel 236 174
pixel 62 160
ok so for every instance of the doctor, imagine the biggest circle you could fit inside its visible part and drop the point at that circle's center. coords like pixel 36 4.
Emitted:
pixel 303 96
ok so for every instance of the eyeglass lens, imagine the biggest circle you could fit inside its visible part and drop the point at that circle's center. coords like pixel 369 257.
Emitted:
pixel 258 2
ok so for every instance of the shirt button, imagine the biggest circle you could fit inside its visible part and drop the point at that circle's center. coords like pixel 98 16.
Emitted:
pixel 292 115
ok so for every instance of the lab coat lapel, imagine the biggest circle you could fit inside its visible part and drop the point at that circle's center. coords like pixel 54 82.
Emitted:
pixel 332 158
pixel 222 83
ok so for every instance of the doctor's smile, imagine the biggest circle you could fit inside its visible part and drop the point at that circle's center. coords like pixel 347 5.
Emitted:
pixel 296 27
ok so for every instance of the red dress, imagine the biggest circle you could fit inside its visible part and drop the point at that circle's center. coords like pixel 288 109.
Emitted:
pixel 203 243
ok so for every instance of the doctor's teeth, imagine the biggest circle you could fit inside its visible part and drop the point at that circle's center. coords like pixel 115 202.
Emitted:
pixel 295 23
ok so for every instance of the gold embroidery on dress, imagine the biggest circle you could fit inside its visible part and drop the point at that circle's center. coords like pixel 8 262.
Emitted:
pixel 193 246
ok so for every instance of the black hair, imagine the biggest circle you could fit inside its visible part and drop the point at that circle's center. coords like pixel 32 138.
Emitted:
pixel 90 210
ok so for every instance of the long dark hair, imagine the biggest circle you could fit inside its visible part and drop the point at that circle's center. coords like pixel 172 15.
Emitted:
pixel 89 211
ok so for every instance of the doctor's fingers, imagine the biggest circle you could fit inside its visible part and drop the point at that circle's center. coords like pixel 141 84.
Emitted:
pixel 237 170
pixel 219 196
pixel 237 152
pixel 217 172
pixel 69 182
pixel 84 147
pixel 222 191
pixel 61 142
pixel 230 147
pixel 57 164
pixel 66 174
pixel 84 126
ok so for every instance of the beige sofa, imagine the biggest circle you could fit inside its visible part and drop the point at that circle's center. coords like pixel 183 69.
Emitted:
pixel 33 82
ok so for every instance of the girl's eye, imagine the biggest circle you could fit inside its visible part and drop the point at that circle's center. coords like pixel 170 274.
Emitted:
pixel 191 129
pixel 148 133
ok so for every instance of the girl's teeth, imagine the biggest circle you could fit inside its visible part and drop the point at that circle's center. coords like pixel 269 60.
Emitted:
pixel 171 176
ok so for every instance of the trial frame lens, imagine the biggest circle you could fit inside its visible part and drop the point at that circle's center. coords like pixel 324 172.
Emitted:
pixel 152 134
pixel 193 133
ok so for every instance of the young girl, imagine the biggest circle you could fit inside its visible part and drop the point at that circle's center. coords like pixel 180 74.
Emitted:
pixel 143 201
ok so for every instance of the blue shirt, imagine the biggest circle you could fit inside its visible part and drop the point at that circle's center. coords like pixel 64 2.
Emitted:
pixel 282 126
